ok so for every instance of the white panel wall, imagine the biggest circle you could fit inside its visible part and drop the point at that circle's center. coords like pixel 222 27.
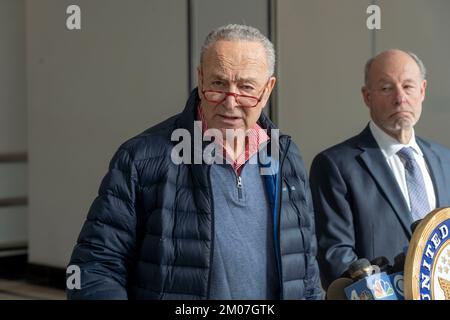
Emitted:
pixel 89 91
pixel 322 49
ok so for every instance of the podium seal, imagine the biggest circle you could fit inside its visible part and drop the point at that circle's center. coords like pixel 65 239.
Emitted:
pixel 427 264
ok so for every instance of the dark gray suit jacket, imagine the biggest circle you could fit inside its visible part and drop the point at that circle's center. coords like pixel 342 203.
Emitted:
pixel 360 209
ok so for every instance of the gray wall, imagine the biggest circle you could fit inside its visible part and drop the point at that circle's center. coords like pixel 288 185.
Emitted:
pixel 323 46
pixel 209 14
pixel 13 130
pixel 423 27
pixel 88 91
pixel 13 127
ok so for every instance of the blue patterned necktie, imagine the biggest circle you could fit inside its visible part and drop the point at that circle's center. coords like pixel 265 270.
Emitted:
pixel 418 198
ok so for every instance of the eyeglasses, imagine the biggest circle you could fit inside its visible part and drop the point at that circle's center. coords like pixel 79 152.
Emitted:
pixel 245 101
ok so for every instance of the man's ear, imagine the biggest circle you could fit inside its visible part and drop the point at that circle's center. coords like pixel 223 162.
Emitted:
pixel 366 95
pixel 269 87
pixel 423 88
pixel 271 84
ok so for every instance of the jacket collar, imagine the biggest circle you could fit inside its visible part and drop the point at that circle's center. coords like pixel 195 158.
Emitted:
pixel 188 115
pixel 435 166
pixel 378 168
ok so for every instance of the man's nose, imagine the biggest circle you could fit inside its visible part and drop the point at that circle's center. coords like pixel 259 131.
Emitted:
pixel 230 101
pixel 400 97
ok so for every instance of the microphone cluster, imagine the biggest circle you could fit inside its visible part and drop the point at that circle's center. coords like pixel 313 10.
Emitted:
pixel 374 280
pixel 370 280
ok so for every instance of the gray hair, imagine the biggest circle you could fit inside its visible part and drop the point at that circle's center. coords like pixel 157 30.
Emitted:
pixel 422 69
pixel 237 32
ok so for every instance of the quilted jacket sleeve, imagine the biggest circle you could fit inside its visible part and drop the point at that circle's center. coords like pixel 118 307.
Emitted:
pixel 314 289
pixel 312 284
pixel 105 248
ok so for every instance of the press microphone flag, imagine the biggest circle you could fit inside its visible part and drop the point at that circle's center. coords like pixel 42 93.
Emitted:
pixel 379 286
pixel 397 284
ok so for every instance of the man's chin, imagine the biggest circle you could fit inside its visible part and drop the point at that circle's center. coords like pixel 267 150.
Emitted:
pixel 400 125
pixel 405 124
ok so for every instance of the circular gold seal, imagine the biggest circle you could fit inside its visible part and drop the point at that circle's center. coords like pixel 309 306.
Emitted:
pixel 427 264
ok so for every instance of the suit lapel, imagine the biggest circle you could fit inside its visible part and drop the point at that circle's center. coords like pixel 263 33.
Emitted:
pixel 436 172
pixel 379 169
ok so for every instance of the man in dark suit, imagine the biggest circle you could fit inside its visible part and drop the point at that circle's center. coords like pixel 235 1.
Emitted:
pixel 368 190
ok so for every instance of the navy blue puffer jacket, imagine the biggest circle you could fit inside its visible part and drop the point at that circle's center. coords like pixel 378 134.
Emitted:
pixel 148 234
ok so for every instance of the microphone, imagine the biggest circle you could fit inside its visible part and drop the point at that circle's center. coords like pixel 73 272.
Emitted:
pixel 399 263
pixel 383 263
pixel 362 268
pixel 397 277
pixel 336 289
pixel 414 225
pixel 357 270
pixel 368 282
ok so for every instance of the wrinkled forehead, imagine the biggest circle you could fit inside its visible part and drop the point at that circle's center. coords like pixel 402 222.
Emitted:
pixel 397 65
pixel 235 56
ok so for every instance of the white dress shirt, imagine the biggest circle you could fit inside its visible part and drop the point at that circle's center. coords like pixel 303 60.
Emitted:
pixel 389 147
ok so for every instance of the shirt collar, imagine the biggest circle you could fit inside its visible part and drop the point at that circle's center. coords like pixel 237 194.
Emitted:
pixel 257 136
pixel 390 146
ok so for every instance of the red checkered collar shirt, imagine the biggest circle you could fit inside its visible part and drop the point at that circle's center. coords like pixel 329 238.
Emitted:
pixel 255 137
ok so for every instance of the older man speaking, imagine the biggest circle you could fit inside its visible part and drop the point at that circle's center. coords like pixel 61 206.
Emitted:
pixel 162 228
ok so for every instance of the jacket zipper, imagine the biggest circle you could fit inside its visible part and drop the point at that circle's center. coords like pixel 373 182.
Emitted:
pixel 239 186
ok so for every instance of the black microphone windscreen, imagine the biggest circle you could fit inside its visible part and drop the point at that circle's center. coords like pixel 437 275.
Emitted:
pixel 414 225
pixel 358 265
pixel 383 263
pixel 336 289
pixel 399 263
